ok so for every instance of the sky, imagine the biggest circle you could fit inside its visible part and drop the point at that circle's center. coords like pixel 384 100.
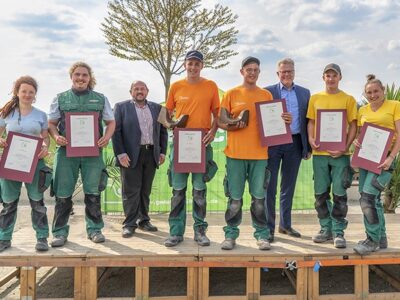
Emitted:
pixel 42 38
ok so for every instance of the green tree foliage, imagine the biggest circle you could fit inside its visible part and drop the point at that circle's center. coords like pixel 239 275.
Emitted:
pixel 392 191
pixel 162 31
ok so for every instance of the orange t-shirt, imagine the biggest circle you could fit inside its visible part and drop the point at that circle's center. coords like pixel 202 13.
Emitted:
pixel 245 143
pixel 197 100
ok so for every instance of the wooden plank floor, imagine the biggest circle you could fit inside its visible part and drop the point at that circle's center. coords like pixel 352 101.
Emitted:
pixel 150 245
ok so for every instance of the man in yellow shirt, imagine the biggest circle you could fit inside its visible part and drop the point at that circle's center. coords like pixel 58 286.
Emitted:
pixel 246 158
pixel 198 98
pixel 332 167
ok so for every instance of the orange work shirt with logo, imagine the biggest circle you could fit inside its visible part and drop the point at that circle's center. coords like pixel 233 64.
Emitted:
pixel 245 143
pixel 197 100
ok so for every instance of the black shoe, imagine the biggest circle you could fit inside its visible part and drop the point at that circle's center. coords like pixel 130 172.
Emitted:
pixel 127 232
pixel 290 231
pixel 58 241
pixel 97 237
pixel 201 238
pixel 147 227
pixel 4 245
pixel 42 245
pixel 173 240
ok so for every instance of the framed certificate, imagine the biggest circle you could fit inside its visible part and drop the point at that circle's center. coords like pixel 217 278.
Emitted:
pixel 20 157
pixel 375 144
pixel 272 128
pixel 82 133
pixel 189 150
pixel 331 129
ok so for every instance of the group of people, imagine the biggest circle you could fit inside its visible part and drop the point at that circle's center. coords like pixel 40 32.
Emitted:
pixel 140 147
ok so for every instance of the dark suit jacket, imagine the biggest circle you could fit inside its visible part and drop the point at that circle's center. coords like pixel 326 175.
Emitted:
pixel 126 138
pixel 303 96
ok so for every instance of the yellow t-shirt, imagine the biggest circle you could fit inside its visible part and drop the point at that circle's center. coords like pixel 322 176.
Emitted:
pixel 385 116
pixel 245 143
pixel 323 100
pixel 197 100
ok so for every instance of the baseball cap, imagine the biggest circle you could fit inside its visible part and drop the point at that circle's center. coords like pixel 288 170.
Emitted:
pixel 333 67
pixel 194 54
pixel 250 60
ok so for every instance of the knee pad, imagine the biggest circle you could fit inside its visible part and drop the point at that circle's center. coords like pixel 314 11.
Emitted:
pixel 321 206
pixel 199 202
pixel 257 210
pixel 367 203
pixel 177 202
pixel 8 214
pixel 39 216
pixel 339 210
pixel 93 207
pixel 233 214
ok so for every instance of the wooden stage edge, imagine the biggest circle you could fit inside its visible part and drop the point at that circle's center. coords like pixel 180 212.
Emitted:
pixel 146 250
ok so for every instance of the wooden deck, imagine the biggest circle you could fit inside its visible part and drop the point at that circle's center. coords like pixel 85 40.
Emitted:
pixel 146 250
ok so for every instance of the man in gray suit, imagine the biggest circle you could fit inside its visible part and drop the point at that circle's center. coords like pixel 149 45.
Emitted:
pixel 140 145
pixel 287 157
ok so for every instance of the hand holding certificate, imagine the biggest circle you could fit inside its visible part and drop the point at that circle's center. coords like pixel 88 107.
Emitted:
pixel 375 143
pixel 272 128
pixel 331 129
pixel 20 158
pixel 189 151
pixel 82 130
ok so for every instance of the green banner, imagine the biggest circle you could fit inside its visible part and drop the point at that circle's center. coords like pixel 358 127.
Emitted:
pixel 216 200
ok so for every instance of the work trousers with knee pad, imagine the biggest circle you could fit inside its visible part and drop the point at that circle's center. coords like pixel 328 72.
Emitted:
pixel 331 173
pixel 370 187
pixel 62 211
pixel 238 171
pixel 178 182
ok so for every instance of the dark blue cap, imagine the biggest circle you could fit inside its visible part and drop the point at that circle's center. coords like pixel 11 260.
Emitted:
pixel 194 54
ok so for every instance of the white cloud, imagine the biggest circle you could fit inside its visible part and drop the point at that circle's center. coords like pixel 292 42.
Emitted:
pixel 393 66
pixel 393 45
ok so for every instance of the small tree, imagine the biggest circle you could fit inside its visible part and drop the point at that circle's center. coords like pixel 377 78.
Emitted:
pixel 162 31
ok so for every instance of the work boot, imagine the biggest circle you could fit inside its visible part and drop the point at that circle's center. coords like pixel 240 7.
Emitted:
pixel 383 242
pixel 4 245
pixel 201 238
pixel 41 245
pixel 366 247
pixel 228 244
pixel 339 241
pixel 263 244
pixel 322 236
pixel 173 240
pixel 58 241
pixel 97 237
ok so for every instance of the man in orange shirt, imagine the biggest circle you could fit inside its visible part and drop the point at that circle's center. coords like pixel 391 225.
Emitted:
pixel 246 158
pixel 198 98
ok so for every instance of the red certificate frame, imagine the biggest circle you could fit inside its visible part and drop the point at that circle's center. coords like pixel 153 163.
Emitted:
pixel 272 140
pixel 18 175
pixel 334 146
pixel 82 151
pixel 184 167
pixel 364 163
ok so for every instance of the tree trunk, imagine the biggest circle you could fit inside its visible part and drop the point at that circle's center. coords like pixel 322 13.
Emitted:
pixel 167 83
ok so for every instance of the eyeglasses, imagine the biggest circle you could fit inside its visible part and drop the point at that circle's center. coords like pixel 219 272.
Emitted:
pixel 286 72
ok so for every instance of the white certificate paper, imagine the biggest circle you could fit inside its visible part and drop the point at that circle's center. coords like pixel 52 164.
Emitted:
pixel 82 131
pixel 272 122
pixel 331 127
pixel 190 144
pixel 21 154
pixel 373 144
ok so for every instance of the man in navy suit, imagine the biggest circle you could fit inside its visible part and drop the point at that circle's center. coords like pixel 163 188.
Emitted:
pixel 287 156
pixel 140 145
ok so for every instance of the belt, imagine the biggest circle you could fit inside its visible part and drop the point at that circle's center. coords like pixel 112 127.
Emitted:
pixel 147 147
